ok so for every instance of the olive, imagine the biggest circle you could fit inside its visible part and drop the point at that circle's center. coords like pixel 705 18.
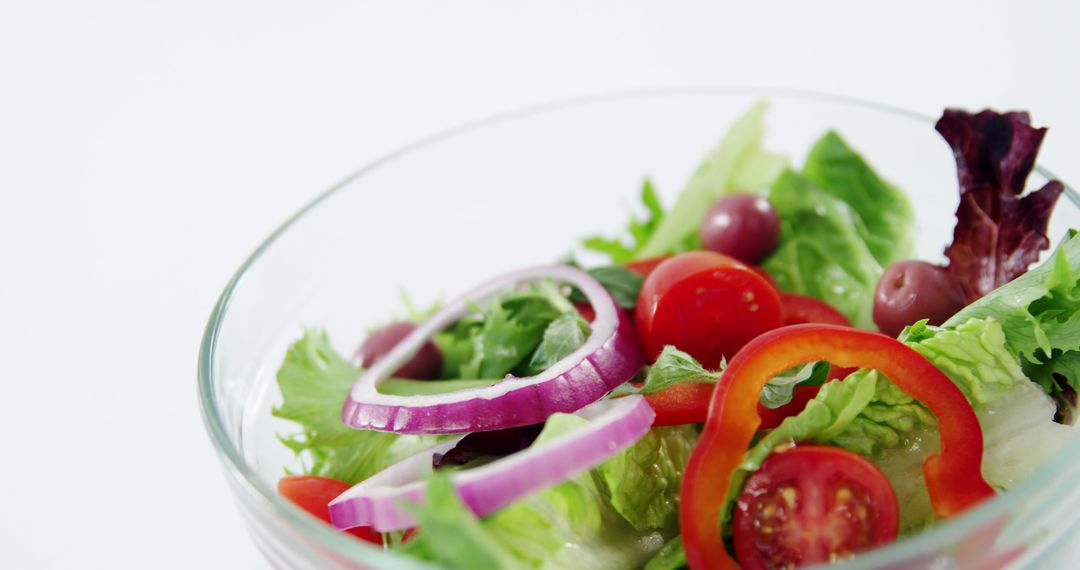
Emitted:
pixel 913 290
pixel 743 226
pixel 424 365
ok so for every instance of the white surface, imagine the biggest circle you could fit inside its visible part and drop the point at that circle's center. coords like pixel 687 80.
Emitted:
pixel 146 148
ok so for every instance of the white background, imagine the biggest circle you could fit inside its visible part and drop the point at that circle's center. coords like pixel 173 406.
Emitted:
pixel 146 148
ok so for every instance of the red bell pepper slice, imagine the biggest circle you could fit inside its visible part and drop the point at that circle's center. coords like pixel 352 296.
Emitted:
pixel 953 477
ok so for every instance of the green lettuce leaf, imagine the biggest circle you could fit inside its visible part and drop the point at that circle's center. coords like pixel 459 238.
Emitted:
pixel 821 253
pixel 671 557
pixel 737 164
pixel 452 536
pixel 643 480
pixel 883 215
pixel 570 524
pixel 314 382
pixel 1039 311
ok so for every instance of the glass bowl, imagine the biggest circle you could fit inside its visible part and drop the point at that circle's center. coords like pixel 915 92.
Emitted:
pixel 523 188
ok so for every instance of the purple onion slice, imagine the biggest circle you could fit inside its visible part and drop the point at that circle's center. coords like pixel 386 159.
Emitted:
pixel 614 425
pixel 609 357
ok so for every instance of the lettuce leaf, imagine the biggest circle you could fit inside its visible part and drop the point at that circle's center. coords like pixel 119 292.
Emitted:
pixel 314 382
pixel 884 216
pixel 1040 315
pixel 570 524
pixel 452 536
pixel 737 164
pixel 821 253
pixel 671 557
pixel 643 480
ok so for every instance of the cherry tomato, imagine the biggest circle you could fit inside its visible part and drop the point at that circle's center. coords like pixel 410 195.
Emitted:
pixel 686 403
pixel 764 274
pixel 706 304
pixel 586 311
pixel 802 309
pixel 812 504
pixel 313 493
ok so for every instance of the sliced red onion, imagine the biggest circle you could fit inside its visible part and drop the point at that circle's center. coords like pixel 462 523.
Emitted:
pixel 609 357
pixel 613 425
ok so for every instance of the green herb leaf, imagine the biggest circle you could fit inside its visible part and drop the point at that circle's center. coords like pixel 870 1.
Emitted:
pixel 561 337
pixel 622 283
pixel 501 338
pixel 674 366
pixel 640 229
pixel 780 390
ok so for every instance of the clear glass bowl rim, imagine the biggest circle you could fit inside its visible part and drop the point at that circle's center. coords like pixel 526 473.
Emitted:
pixel 944 533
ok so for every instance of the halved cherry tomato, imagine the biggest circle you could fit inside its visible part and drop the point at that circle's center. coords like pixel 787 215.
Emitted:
pixel 313 493
pixel 802 309
pixel 812 504
pixel 706 304
pixel 953 476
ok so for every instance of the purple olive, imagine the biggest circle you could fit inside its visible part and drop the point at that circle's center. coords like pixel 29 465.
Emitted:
pixel 913 290
pixel 743 226
pixel 424 365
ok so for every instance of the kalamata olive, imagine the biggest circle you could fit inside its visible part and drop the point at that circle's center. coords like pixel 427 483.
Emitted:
pixel 913 290
pixel 424 365
pixel 743 226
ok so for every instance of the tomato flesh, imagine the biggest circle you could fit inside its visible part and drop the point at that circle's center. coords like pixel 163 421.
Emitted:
pixel 813 504
pixel 706 304
pixel 686 403
pixel 313 494
pixel 773 417
pixel 802 309
pixel 644 267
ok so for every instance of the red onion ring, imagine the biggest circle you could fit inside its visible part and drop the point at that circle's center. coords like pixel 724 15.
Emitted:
pixel 609 357
pixel 613 425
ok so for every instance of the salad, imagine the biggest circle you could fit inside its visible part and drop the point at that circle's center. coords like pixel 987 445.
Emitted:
pixel 758 375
